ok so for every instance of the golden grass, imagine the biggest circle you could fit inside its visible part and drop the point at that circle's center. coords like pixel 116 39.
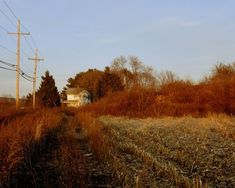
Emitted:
pixel 166 152
pixel 93 129
pixel 18 138
pixel 69 159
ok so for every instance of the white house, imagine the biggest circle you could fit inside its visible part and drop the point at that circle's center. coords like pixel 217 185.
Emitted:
pixel 77 97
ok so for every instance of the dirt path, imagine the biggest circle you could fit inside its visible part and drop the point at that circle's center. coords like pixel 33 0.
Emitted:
pixel 67 160
pixel 94 173
pixel 97 174
pixel 76 162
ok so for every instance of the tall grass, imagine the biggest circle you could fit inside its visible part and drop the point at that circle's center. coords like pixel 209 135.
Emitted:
pixel 93 130
pixel 20 140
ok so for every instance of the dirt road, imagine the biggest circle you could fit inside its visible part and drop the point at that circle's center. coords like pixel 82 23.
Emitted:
pixel 94 173
pixel 66 161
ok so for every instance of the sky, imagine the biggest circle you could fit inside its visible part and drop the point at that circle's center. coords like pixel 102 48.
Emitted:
pixel 187 37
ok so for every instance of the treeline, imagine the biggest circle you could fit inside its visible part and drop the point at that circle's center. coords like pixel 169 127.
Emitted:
pixel 143 93
pixel 98 83
pixel 122 75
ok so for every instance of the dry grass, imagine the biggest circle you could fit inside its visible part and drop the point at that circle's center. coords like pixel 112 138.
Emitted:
pixel 93 130
pixel 69 160
pixel 166 152
pixel 20 139
pixel 8 113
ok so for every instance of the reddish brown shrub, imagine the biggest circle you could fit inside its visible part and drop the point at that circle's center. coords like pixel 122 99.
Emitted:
pixel 177 98
pixel 138 102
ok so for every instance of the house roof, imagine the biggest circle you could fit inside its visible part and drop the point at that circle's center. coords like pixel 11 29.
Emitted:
pixel 74 91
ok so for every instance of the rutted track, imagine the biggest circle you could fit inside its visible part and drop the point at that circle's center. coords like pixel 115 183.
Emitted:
pixel 94 172
pixel 97 174
pixel 67 160
pixel 76 162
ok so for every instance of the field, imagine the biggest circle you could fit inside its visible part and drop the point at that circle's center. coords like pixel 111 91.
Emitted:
pixel 47 148
pixel 71 148
pixel 170 152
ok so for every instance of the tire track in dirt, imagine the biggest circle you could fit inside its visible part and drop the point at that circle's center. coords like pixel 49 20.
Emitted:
pixel 96 173
pixel 67 160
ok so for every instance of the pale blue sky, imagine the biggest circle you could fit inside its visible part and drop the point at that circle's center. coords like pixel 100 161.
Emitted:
pixel 184 36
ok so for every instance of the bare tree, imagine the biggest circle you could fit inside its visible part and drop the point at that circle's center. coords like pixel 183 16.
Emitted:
pixel 167 77
pixel 148 78
pixel 119 67
pixel 132 72
pixel 135 64
pixel 118 64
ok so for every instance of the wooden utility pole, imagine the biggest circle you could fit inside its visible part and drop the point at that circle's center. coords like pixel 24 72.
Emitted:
pixel 36 59
pixel 18 33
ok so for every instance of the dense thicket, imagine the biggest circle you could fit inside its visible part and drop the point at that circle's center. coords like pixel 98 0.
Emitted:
pixel 171 96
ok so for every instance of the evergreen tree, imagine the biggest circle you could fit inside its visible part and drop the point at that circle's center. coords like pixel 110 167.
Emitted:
pixel 109 83
pixel 29 99
pixel 47 93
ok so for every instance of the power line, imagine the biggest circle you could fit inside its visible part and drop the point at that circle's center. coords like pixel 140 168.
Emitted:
pixel 12 12
pixel 26 65
pixel 3 28
pixel 32 39
pixel 23 76
pixel 7 49
pixel 7 68
pixel 27 55
pixel 24 54
pixel 12 23
pixel 12 65
pixel 19 71
pixel 23 73
pixel 36 60
pixel 18 34
pixel 35 45
pixel 8 64
pixel 30 46
pixel 26 40
pixel 8 18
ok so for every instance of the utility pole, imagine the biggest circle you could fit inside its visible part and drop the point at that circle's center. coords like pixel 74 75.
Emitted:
pixel 36 59
pixel 18 33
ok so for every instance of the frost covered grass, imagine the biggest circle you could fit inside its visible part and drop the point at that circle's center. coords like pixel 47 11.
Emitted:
pixel 166 152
